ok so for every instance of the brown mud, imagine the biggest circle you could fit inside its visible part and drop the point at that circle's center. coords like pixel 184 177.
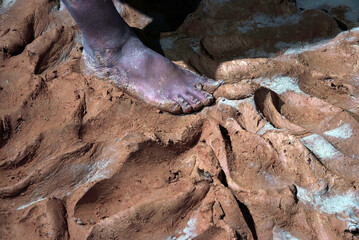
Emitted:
pixel 276 157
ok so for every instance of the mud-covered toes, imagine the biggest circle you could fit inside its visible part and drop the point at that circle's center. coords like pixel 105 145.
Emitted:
pixel 194 102
pixel 190 100
pixel 185 105
pixel 205 98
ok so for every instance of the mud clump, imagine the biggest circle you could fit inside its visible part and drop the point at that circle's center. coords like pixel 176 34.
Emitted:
pixel 275 157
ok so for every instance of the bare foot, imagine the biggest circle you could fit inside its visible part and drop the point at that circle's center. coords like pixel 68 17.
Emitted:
pixel 151 77
pixel 112 51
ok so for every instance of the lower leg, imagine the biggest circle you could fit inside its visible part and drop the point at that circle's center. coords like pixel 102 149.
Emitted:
pixel 112 51
pixel 96 20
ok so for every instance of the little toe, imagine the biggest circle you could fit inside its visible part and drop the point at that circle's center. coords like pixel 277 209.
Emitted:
pixel 170 106
pixel 186 107
pixel 194 101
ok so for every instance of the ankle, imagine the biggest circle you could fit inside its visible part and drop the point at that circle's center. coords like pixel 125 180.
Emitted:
pixel 106 54
pixel 111 40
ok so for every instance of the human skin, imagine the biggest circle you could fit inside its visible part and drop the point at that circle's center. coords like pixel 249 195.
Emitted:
pixel 112 51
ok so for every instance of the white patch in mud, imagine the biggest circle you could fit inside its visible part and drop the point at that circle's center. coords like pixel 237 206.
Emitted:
pixel 280 84
pixel 301 48
pixel 351 5
pixel 31 203
pixel 282 234
pixel 245 28
pixel 168 42
pixel 345 131
pixel 234 103
pixel 249 100
pixel 295 47
pixel 342 205
pixel 264 21
pixel 195 45
pixel 6 4
pixel 320 147
pixel 266 128
pixel 285 45
pixel 274 182
pixel 189 232
pixel 339 203
pixel 257 53
pixel 58 7
pixel 62 6
pixel 99 171
pixel 304 195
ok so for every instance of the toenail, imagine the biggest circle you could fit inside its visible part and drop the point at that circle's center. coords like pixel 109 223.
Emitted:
pixel 199 86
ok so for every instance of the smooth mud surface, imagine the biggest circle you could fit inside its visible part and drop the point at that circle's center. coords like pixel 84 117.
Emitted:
pixel 276 156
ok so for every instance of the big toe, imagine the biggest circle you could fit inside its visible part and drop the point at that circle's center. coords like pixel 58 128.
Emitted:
pixel 207 84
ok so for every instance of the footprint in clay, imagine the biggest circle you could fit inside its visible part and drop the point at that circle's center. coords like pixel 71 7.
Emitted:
pixel 156 186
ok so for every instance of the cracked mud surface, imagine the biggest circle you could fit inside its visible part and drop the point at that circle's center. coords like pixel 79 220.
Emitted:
pixel 276 157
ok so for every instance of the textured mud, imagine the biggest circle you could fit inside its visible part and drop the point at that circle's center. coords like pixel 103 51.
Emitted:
pixel 276 157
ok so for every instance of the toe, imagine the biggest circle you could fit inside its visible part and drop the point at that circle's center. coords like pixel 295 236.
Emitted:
pixel 205 98
pixel 207 84
pixel 186 107
pixel 194 101
pixel 170 106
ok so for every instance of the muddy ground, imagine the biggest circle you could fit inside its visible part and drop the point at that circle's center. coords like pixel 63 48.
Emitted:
pixel 276 156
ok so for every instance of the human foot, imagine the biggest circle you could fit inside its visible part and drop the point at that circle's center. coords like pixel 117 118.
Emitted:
pixel 112 51
pixel 150 77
